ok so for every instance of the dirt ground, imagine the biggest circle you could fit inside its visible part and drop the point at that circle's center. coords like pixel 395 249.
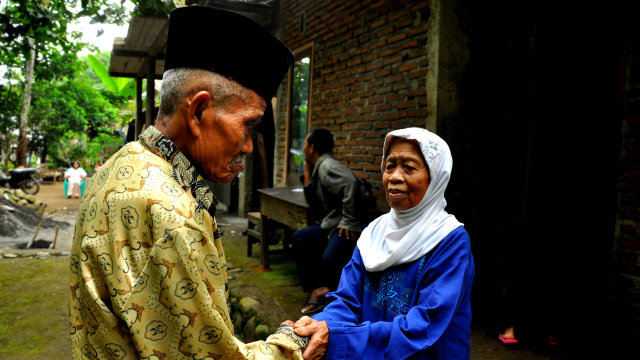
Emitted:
pixel 279 287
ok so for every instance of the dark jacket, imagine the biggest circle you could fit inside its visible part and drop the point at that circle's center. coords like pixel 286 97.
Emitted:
pixel 331 194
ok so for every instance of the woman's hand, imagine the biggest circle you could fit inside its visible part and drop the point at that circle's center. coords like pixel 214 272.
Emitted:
pixel 319 332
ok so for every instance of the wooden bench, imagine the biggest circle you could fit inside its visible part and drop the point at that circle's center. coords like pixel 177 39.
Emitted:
pixel 283 208
pixel 253 236
pixel 53 174
pixel 260 230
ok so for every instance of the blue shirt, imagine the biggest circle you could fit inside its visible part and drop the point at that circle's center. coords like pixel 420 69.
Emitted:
pixel 418 310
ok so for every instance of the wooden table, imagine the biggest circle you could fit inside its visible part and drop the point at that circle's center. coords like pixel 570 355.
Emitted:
pixel 283 205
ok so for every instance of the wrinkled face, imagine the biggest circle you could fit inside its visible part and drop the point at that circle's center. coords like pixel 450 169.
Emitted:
pixel 226 138
pixel 406 176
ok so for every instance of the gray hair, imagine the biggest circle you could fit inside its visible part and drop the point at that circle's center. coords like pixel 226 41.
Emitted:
pixel 181 83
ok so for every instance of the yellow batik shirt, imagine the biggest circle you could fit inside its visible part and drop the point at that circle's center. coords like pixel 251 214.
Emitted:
pixel 148 275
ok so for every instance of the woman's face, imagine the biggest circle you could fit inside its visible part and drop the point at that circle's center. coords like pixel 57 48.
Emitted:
pixel 406 176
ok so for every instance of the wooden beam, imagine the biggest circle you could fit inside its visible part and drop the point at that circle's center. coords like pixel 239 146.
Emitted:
pixel 151 91
pixel 138 107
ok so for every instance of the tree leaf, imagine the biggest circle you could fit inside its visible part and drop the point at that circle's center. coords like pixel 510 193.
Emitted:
pixel 103 74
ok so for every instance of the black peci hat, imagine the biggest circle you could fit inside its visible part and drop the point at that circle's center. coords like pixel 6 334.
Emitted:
pixel 229 44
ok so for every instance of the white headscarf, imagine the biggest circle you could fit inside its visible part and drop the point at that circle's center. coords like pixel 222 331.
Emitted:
pixel 400 237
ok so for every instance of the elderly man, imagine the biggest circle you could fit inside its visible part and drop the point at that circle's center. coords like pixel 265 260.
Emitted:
pixel 148 272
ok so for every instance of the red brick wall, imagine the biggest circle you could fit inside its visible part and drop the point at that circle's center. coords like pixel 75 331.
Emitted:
pixel 369 74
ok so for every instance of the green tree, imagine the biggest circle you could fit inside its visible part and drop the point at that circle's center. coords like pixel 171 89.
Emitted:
pixel 71 106
pixel 34 38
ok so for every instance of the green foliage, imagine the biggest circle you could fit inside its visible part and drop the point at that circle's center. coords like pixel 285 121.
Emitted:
pixel 74 111
pixel 156 7
pixel 61 106
pixel 46 23
pixel 124 87
pixel 78 147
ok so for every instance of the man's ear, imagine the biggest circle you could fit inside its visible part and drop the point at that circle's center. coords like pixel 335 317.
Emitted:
pixel 199 103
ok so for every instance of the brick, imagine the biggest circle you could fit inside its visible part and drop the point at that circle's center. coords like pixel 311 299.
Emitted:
pixel 397 15
pixel 407 67
pixel 401 23
pixel 383 107
pixel 384 31
pixel 629 243
pixel 396 38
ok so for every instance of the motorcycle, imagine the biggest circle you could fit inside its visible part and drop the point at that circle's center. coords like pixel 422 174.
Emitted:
pixel 21 179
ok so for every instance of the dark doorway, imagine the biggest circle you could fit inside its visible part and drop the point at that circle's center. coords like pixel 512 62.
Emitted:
pixel 536 147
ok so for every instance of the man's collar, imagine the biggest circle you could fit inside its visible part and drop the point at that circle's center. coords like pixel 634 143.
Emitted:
pixel 184 172
pixel 322 158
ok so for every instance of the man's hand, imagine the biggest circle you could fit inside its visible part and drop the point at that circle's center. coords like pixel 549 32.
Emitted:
pixel 350 235
pixel 287 322
pixel 319 332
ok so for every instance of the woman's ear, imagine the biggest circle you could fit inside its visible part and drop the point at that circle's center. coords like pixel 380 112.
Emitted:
pixel 199 103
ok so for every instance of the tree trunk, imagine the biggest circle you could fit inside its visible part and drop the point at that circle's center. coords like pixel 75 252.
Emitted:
pixel 4 139
pixel 26 103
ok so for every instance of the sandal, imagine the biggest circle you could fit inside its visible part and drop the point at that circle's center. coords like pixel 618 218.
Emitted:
pixel 317 307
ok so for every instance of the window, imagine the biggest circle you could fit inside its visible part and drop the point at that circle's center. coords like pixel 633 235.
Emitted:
pixel 300 89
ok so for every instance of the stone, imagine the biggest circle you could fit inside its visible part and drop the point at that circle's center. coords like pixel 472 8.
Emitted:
pixel 10 256
pixel 248 305
pixel 42 254
pixel 237 320
pixel 22 202
pixel 262 332
pixel 30 198
pixel 250 329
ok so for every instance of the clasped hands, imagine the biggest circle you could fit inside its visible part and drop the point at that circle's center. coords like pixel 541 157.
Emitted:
pixel 319 332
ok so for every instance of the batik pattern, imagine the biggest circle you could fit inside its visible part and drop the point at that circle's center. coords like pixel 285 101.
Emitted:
pixel 148 273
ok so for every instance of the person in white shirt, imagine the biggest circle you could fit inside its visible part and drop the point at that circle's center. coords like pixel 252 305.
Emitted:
pixel 74 176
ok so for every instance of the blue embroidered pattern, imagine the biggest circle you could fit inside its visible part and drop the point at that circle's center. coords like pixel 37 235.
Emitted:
pixel 390 294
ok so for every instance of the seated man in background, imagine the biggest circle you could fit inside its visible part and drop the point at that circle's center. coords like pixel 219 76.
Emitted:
pixel 322 250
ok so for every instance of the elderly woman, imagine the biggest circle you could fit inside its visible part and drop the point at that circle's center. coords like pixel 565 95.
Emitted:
pixel 405 292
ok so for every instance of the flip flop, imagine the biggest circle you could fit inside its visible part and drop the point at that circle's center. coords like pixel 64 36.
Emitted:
pixel 318 307
pixel 507 341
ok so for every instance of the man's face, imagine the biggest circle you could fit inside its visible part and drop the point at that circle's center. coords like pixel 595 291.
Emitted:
pixel 307 150
pixel 226 138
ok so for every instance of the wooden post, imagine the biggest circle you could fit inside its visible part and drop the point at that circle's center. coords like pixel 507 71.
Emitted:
pixel 55 238
pixel 39 224
pixel 138 107
pixel 151 91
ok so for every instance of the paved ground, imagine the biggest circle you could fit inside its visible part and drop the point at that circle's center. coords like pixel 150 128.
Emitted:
pixel 287 293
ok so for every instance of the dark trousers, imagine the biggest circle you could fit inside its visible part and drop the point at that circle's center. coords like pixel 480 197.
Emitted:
pixel 320 258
